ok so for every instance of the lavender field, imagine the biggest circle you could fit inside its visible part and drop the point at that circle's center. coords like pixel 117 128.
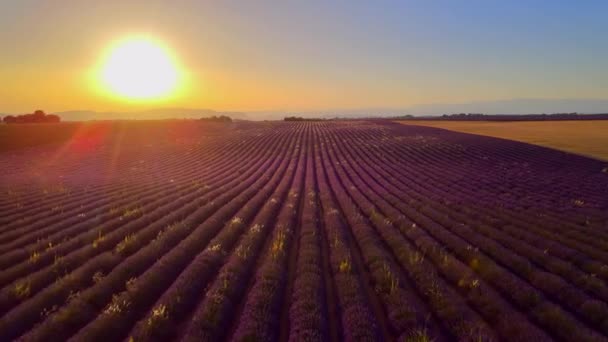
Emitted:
pixel 300 231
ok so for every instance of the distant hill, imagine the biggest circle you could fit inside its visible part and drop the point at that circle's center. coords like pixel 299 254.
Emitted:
pixel 516 106
pixel 509 107
pixel 151 114
pixel 506 117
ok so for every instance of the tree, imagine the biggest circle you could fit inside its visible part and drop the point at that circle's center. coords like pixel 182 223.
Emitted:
pixel 37 117
pixel 52 118
pixel 215 118
pixel 9 119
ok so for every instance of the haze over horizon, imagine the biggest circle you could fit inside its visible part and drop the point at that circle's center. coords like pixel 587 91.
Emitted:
pixel 416 57
pixel 515 106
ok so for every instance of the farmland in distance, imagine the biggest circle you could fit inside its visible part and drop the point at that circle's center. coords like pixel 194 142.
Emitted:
pixel 586 137
pixel 277 231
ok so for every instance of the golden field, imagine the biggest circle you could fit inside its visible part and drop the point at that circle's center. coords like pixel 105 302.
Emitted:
pixel 588 138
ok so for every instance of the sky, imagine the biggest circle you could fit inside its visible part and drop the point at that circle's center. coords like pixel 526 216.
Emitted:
pixel 309 55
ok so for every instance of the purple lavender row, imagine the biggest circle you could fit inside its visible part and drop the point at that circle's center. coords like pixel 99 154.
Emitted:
pixel 573 230
pixel 462 322
pixel 591 266
pixel 26 214
pixel 189 178
pixel 40 208
pixel 42 201
pixel 94 220
pixel 487 302
pixel 102 240
pixel 466 163
pixel 308 311
pixel 94 299
pixel 538 242
pixel 74 259
pixel 196 273
pixel 406 311
pixel 98 296
pixel 587 264
pixel 549 166
pixel 64 241
pixel 33 224
pixel 70 212
pixel 594 311
pixel 213 316
pixel 194 278
pixel 532 301
pixel 357 320
pixel 574 329
pixel 42 205
pixel 72 202
pixel 261 315
pixel 588 282
pixel 569 259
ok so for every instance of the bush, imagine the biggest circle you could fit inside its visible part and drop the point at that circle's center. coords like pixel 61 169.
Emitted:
pixel 9 119
pixel 221 118
pixel 37 117
pixel 299 118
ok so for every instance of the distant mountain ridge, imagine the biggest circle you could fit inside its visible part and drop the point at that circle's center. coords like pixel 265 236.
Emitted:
pixel 509 107
pixel 150 114
pixel 517 106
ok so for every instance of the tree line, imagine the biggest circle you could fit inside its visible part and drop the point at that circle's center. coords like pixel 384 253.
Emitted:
pixel 221 118
pixel 506 117
pixel 38 116
pixel 299 118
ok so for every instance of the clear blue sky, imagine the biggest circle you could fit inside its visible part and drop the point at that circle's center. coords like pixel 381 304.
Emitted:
pixel 313 55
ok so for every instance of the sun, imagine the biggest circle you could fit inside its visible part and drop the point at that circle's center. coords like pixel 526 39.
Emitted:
pixel 139 68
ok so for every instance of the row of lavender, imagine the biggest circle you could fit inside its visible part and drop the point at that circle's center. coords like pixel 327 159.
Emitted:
pixel 317 231
pixel 397 198
pixel 98 253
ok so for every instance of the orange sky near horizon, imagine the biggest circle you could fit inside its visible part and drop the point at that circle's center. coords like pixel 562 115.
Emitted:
pixel 310 56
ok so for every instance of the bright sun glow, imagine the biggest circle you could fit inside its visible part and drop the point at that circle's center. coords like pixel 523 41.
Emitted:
pixel 139 68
